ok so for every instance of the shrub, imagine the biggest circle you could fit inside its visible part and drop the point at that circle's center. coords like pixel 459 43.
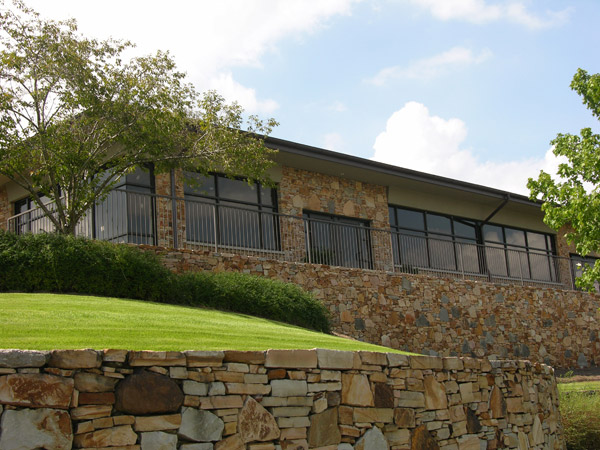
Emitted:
pixel 66 264
pixel 580 413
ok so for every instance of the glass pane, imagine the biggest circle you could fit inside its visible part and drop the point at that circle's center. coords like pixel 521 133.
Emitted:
pixel 200 221
pixel 492 233
pixel 541 266
pixel 536 240
pixel 467 254
pixel 496 260
pixel 237 190
pixel 438 224
pixel 267 195
pixel 197 184
pixel 410 219
pixel 464 229
pixel 515 237
pixel 392 213
pixel 413 251
pixel 441 253
pixel 140 177
pixel 518 264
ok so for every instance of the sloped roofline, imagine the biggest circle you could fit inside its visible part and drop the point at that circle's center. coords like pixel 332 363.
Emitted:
pixel 388 169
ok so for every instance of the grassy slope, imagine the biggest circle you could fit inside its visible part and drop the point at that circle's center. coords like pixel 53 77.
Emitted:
pixel 49 321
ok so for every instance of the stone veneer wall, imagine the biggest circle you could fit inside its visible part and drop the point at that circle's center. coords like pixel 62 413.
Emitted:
pixel 5 211
pixel 278 399
pixel 440 316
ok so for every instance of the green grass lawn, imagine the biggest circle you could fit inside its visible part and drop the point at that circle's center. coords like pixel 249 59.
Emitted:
pixel 582 386
pixel 51 321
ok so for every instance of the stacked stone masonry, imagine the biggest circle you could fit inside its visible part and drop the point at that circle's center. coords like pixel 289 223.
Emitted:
pixel 437 316
pixel 275 399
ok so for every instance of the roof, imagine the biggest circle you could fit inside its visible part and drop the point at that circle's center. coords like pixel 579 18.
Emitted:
pixel 296 152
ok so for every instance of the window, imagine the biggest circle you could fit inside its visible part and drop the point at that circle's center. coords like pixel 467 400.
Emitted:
pixel 337 240
pixel 31 219
pixel 521 254
pixel 127 214
pixel 427 240
pixel 577 265
pixel 230 212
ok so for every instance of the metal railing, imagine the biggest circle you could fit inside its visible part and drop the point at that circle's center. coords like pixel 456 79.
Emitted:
pixel 142 218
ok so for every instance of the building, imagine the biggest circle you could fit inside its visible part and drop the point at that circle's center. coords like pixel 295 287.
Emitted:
pixel 334 209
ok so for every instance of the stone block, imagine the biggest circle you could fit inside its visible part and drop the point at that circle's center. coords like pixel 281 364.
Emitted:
pixel 373 415
pixel 425 362
pixel 157 423
pixel 409 399
pixel 96 398
pixel 92 382
pixel 397 360
pixel 356 390
pixel 435 394
pixel 36 390
pixel 146 392
pixel 255 423
pixel 200 426
pixel 247 389
pixel 91 412
pixel 373 439
pixel 35 428
pixel 108 437
pixel 75 359
pixel 324 429
pixel 13 358
pixel 157 440
pixel 247 357
pixel 335 359
pixel 293 359
pixel 146 358
pixel 195 388
pixel 288 388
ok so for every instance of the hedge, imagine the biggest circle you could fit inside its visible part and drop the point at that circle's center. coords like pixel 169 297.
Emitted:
pixel 67 264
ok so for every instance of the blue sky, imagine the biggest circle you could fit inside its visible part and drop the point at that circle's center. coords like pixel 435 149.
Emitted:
pixel 470 89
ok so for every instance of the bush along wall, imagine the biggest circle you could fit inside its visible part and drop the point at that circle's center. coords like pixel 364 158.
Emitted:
pixel 66 264
pixel 278 399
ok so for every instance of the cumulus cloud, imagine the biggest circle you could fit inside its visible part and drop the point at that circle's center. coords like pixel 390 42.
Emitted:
pixel 333 141
pixel 337 106
pixel 207 39
pixel 415 139
pixel 481 11
pixel 432 67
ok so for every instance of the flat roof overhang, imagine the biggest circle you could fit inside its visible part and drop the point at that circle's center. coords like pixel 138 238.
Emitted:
pixel 333 163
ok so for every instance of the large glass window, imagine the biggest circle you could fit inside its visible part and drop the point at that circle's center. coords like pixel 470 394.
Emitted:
pixel 337 240
pixel 127 214
pixel 230 212
pixel 426 240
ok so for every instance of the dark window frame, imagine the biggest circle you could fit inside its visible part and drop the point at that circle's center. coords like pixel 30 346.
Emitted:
pixel 266 229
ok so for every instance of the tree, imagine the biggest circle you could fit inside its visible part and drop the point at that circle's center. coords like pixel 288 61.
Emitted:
pixel 573 200
pixel 75 117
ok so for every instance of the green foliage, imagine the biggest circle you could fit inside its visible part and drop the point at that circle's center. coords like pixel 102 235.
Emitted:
pixel 256 296
pixel 75 117
pixel 63 263
pixel 580 413
pixel 573 200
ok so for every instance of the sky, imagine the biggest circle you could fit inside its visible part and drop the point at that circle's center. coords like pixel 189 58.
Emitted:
pixel 468 89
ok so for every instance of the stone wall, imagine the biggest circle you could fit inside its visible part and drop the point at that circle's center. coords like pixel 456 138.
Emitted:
pixel 439 316
pixel 277 399
pixel 5 211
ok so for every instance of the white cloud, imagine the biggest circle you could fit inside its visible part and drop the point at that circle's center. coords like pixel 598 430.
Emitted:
pixel 480 12
pixel 416 140
pixel 225 85
pixel 333 141
pixel 432 67
pixel 337 106
pixel 207 39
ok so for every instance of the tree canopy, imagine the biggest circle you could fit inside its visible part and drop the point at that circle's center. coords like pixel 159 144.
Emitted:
pixel 572 202
pixel 75 116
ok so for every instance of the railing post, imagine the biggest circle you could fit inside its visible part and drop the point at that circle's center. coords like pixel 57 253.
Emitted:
pixel 215 230
pixel 174 210
pixel 307 237
pixel 462 262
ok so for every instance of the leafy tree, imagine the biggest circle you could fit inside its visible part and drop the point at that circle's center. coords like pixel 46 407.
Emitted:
pixel 572 202
pixel 74 117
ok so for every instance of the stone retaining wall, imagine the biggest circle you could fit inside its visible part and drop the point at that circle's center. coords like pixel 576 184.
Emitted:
pixel 439 316
pixel 278 399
